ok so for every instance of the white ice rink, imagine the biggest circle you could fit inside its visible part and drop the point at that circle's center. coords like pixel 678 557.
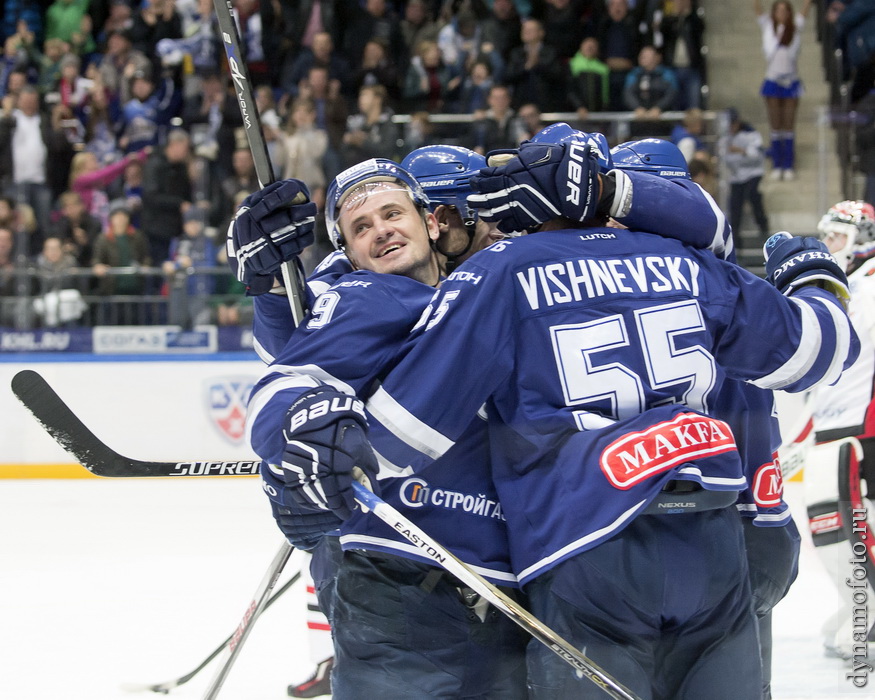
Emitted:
pixel 106 582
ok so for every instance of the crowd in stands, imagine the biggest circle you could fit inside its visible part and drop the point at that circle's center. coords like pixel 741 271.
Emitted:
pixel 119 124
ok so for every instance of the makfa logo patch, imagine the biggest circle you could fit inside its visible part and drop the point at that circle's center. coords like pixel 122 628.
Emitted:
pixel 226 405
pixel 641 455
pixel 768 485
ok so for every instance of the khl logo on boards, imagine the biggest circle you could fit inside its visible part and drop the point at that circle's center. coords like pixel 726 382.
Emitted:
pixel 226 405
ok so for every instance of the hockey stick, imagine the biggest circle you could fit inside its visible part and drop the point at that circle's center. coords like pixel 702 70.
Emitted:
pixel 72 434
pixel 522 617
pixel 292 276
pixel 167 686
pixel 256 607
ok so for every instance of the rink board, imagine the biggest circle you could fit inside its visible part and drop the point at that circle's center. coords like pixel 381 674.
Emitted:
pixel 147 407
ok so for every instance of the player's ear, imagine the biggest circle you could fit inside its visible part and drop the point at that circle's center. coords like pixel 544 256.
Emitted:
pixel 431 225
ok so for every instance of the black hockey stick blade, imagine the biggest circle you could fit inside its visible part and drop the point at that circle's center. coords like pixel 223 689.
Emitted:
pixel 74 436
pixel 167 686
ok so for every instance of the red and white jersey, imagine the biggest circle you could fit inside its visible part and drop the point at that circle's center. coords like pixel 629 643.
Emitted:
pixel 846 408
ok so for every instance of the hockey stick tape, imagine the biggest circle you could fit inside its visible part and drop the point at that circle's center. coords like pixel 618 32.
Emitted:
pixel 362 478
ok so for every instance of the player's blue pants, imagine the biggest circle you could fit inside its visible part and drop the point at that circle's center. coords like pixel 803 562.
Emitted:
pixel 664 607
pixel 402 631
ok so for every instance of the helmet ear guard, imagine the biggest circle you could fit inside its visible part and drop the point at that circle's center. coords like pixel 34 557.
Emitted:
pixel 371 171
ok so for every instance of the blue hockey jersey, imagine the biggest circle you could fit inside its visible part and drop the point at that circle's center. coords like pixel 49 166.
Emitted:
pixel 351 338
pixel 569 337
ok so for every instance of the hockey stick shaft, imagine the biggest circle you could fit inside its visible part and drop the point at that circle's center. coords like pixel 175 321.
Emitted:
pixel 256 607
pixel 257 145
pixel 167 686
pixel 522 617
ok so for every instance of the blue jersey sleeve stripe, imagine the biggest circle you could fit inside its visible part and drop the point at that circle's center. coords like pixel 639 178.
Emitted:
pixel 809 345
pixel 390 470
pixel 843 341
pixel 407 427
pixel 721 245
pixel 262 353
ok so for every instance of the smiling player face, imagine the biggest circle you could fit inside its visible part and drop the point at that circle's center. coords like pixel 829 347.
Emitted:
pixel 385 232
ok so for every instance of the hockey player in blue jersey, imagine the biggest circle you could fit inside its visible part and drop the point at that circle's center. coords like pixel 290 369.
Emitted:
pixel 605 349
pixel 455 645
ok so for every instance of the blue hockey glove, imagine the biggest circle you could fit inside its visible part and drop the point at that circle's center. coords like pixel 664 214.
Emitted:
pixel 545 181
pixel 326 438
pixel 794 261
pixel 304 530
pixel 271 227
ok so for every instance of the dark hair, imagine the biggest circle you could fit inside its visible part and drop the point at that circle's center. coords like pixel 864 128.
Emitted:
pixel 788 31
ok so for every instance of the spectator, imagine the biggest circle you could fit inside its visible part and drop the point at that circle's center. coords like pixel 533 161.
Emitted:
pixel 494 128
pixel 854 23
pixel 59 300
pixel 77 229
pixel 68 20
pixel 687 135
pixel 588 79
pixel 119 63
pixel 99 137
pixel 121 245
pixel 291 27
pixel 73 88
pixel 27 12
pixel 90 180
pixel 502 27
pixel 120 18
pixel 130 190
pixel 271 125
pixel 650 88
pixel 373 20
pixel 528 122
pixel 48 64
pixel 564 26
pixel 418 131
pixel 212 116
pixel 167 193
pixel 459 40
pixel 156 20
pixel 321 53
pixel 620 43
pixel 189 302
pixel 370 132
pixel 745 163
pixel 429 83
pixel 19 218
pixel 682 31
pixel 377 69
pixel 417 26
pixel 331 115
pixel 26 140
pixel 66 135
pixel 8 304
pixel 782 88
pixel 304 145
pixel 475 88
pixel 148 112
pixel 241 179
pixel 534 72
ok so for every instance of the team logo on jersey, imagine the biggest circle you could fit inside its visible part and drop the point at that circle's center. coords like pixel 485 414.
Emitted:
pixel 226 399
pixel 768 485
pixel 638 456
pixel 414 493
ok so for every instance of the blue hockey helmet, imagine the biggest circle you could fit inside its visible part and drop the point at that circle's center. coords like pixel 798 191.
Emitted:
pixel 444 173
pixel 560 132
pixel 655 156
pixel 368 172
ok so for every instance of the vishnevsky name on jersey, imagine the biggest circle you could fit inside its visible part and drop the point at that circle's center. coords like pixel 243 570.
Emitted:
pixel 590 278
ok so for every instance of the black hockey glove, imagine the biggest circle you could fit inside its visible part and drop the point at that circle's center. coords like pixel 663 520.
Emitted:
pixel 794 261
pixel 272 226
pixel 304 530
pixel 545 181
pixel 326 438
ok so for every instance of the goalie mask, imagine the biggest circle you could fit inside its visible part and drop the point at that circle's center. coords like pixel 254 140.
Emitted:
pixel 848 228
pixel 654 156
pixel 444 173
pixel 361 180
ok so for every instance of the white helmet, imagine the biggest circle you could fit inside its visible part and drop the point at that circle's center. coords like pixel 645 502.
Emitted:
pixel 853 219
pixel 370 171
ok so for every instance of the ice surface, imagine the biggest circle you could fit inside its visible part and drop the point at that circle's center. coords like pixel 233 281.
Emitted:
pixel 105 582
